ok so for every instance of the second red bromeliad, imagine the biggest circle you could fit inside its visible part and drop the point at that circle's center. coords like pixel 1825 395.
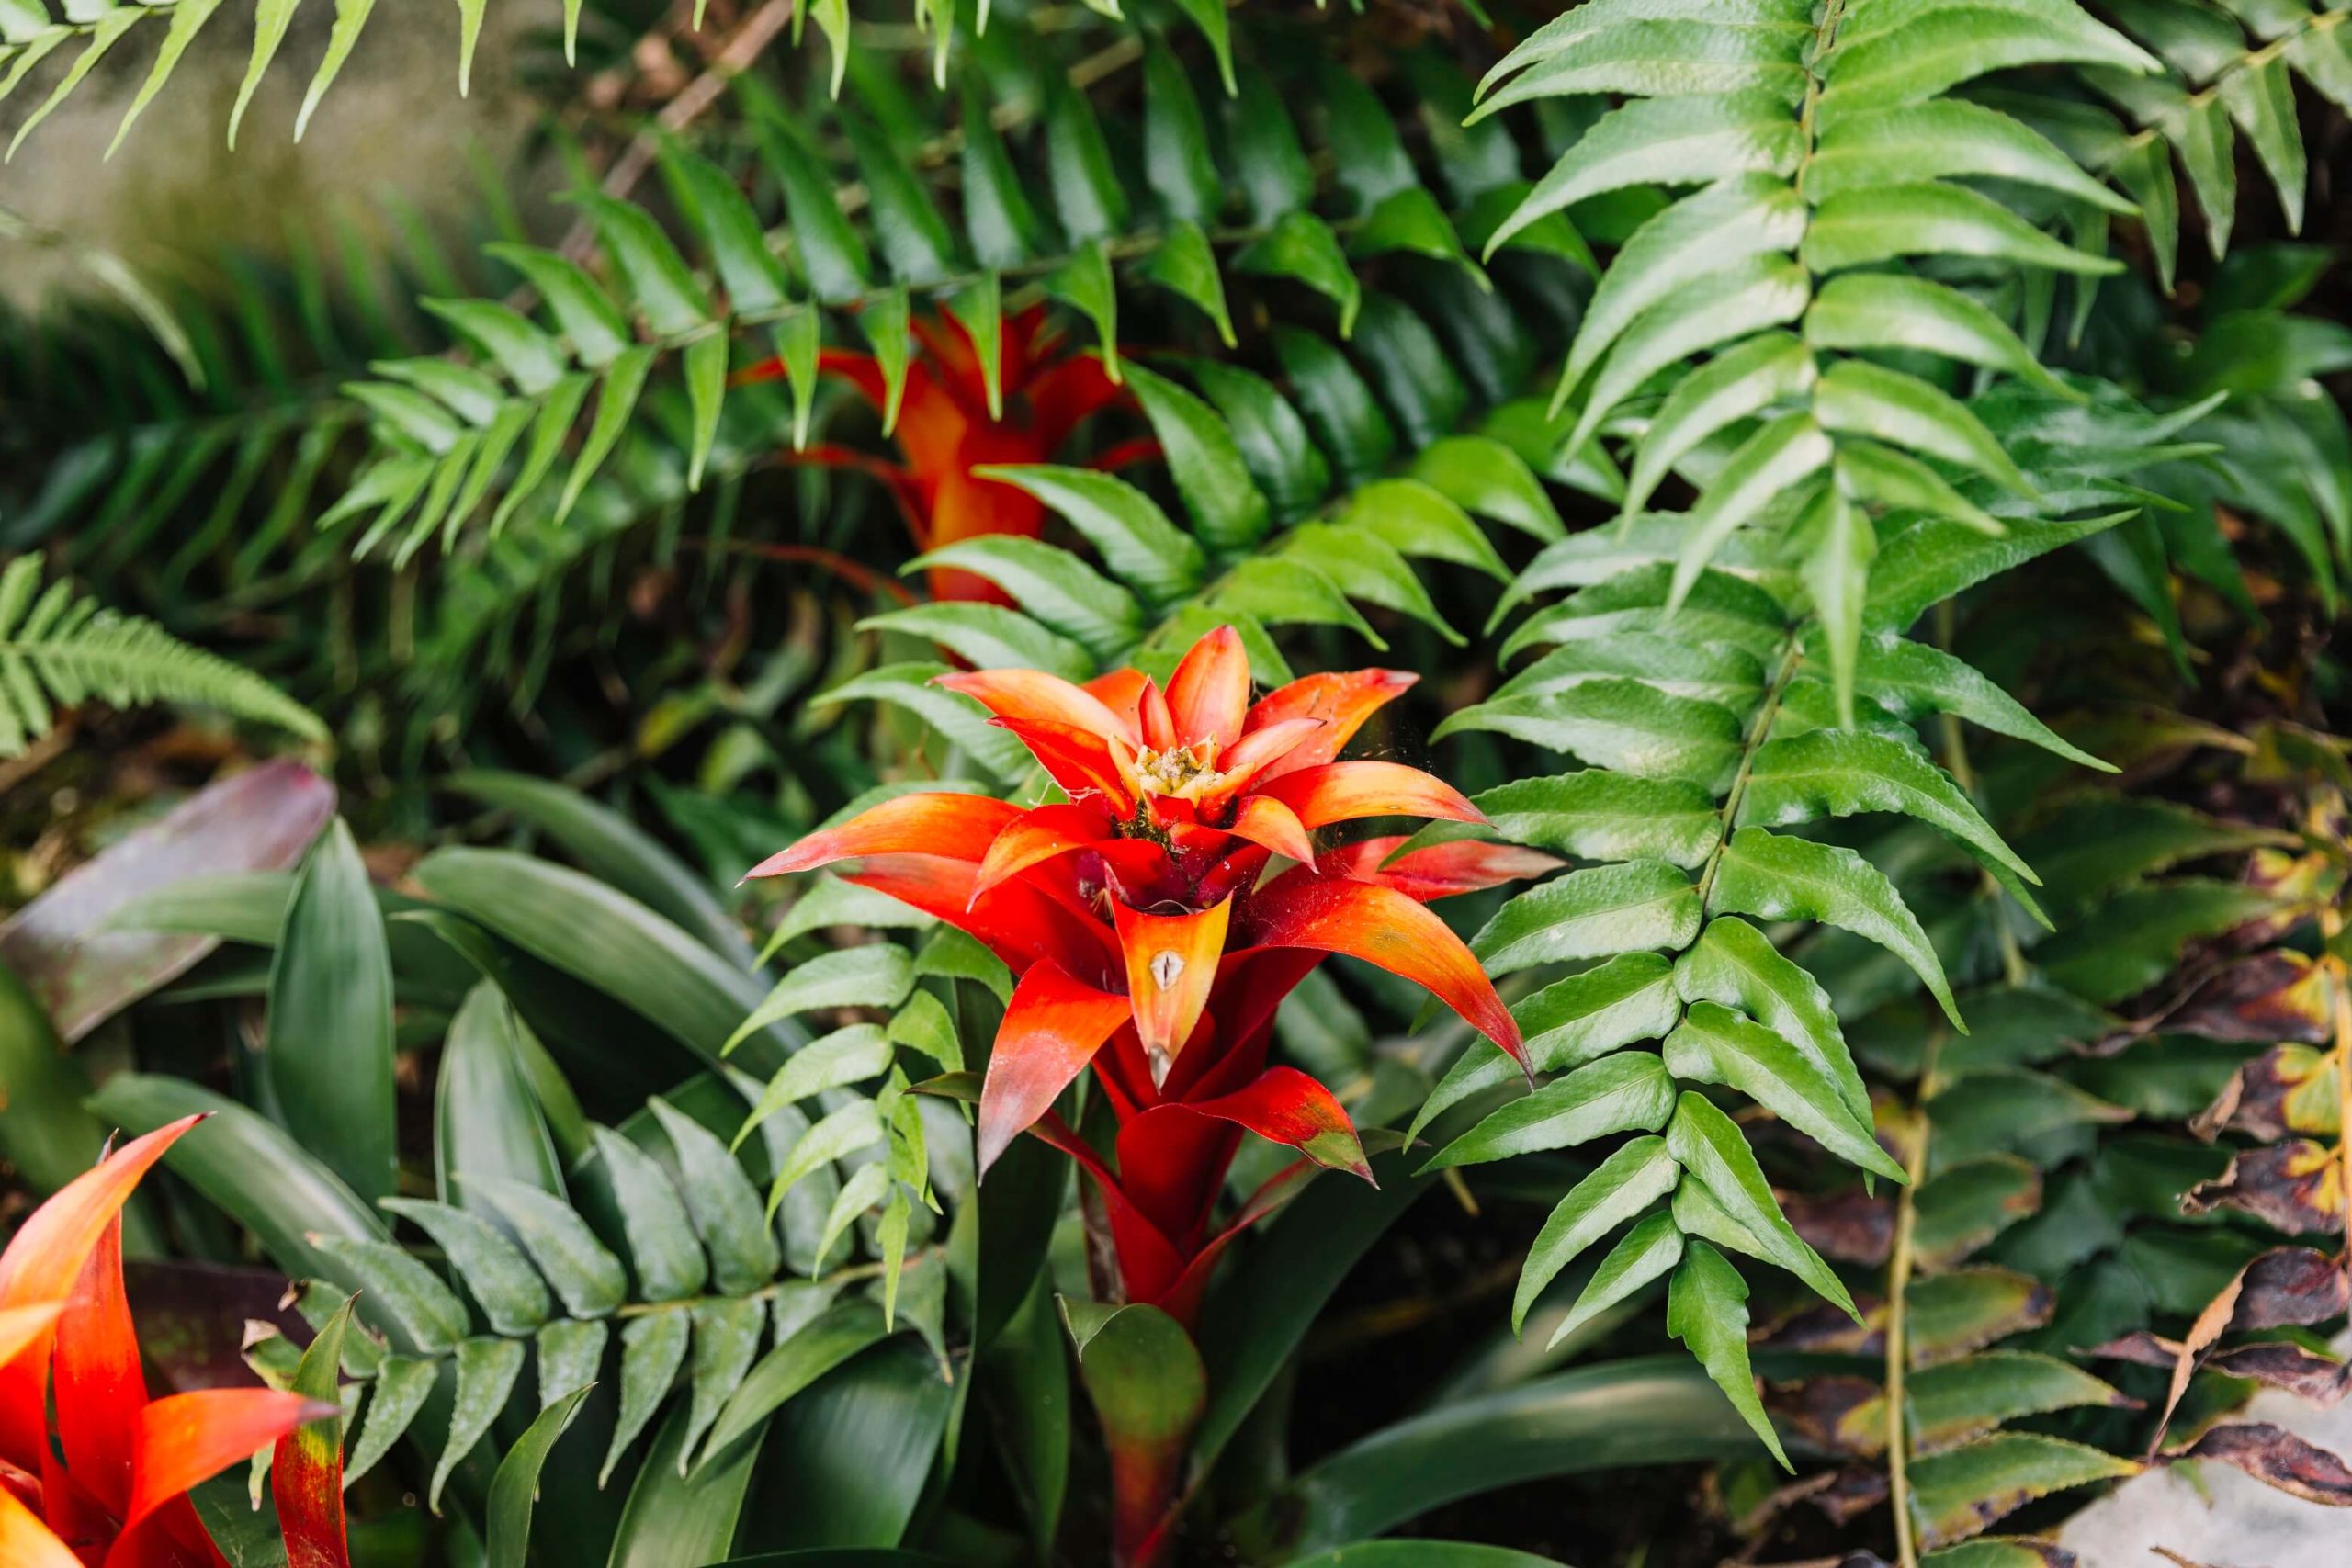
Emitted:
pixel 1149 940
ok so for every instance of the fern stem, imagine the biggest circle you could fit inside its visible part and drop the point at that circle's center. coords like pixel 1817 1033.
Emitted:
pixel 1898 1343
pixel 1759 729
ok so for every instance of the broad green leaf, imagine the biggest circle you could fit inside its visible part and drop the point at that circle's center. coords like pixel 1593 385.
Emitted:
pixel 1337 406
pixel 1138 542
pixel 1830 772
pixel 1863 398
pixel 1927 563
pixel 1598 815
pixel 1944 47
pixel 1626 1092
pixel 705 364
pixel 912 237
pixel 1776 877
pixel 1176 159
pixel 1941 139
pixel 1735 964
pixel 855 1125
pixel 1776 461
pixel 1663 59
pixel 428 1310
pixel 1710 1147
pixel 1302 247
pixel 1706 1308
pixel 1087 197
pixel 727 1211
pixel 1286 465
pixel 667 1264
pixel 1612 722
pixel 657 277
pixel 1961 1491
pixel 1591 913
pixel 988 637
pixel 1566 1024
pixel 487 1369
pixel 1714 1045
pixel 401 1388
pixel 653 1349
pixel 330 1046
pixel 874 975
pixel 1481 475
pixel 515 1488
pixel 1740 217
pixel 1227 510
pixel 1880 311
pixel 1747 296
pixel 1682 140
pixel 1051 584
pixel 1933 219
pixel 726 1337
pixel 837 1334
pixel 850 1054
pixel 571 1353
pixel 1737 383
pixel 589 1279
pixel 624 380
pixel 590 322
pixel 1642 1255
pixel 1637 1175
pixel 493 1272
pixel 1962 1397
pixel 1185 265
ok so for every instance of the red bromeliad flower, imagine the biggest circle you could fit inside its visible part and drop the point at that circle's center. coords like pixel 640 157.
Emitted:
pixel 106 1484
pixel 1149 943
pixel 945 430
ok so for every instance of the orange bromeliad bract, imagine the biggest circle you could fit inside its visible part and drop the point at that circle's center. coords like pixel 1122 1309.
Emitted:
pixel 107 1486
pixel 945 429
pixel 1148 942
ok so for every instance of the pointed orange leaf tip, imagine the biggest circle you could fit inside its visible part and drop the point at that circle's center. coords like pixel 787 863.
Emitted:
pixel 1268 823
pixel 933 822
pixel 45 1257
pixel 190 1438
pixel 1285 1106
pixel 1039 834
pixel 1034 696
pixel 1171 964
pixel 1241 762
pixel 1382 926
pixel 1052 1027
pixel 1122 691
pixel 1208 693
pixel 1446 870
pixel 1343 699
pixel 1343 792
pixel 1079 761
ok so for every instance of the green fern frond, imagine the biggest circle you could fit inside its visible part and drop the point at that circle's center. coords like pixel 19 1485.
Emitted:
pixel 59 648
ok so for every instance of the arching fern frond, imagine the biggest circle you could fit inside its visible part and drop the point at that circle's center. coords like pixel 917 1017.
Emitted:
pixel 468 441
pixel 59 648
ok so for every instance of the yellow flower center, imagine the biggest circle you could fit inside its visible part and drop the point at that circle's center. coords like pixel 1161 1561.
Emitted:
pixel 1183 772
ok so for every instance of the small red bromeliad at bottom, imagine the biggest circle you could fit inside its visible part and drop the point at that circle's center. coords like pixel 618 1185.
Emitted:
pixel 93 1473
pixel 1151 944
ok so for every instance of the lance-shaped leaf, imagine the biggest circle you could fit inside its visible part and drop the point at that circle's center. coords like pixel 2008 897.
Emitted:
pixel 1735 963
pixel 1639 1174
pixel 486 1373
pixel 515 1488
pixel 1714 1045
pixel 667 1261
pixel 1775 878
pixel 1592 913
pixel 874 975
pixel 1643 1254
pixel 1710 1145
pixel 1627 1092
pixel 1961 1398
pixel 1963 1490
pixel 727 1214
pixel 1596 814
pixel 1706 1308
pixel 330 1055
pixel 588 1278
pixel 848 1055
pixel 1566 1025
